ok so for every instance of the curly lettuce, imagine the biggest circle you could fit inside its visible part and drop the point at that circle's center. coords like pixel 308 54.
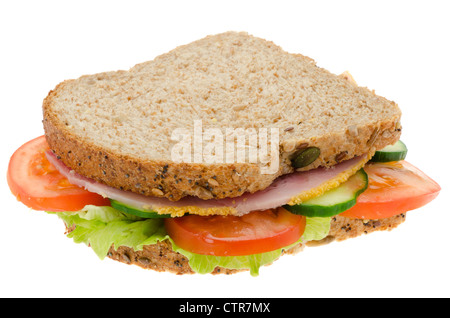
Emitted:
pixel 102 227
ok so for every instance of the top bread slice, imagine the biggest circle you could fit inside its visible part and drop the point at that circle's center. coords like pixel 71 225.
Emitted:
pixel 116 127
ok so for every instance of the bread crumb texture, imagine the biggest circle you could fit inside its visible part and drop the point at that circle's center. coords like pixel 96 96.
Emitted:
pixel 116 127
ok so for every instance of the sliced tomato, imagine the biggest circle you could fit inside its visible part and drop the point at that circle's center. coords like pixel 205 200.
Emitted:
pixel 37 184
pixel 394 188
pixel 253 233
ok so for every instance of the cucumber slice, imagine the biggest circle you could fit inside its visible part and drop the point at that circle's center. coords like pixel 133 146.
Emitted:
pixel 393 152
pixel 334 201
pixel 132 210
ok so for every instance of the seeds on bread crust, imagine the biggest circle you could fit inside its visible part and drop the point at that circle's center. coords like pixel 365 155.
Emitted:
pixel 153 98
pixel 305 157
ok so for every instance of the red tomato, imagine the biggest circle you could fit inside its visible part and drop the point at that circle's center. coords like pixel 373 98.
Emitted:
pixel 38 185
pixel 394 188
pixel 253 233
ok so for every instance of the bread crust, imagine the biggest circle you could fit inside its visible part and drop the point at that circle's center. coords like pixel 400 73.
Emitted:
pixel 343 228
pixel 165 178
pixel 160 257
pixel 206 181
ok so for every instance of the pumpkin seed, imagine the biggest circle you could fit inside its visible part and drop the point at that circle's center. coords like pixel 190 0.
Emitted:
pixel 305 157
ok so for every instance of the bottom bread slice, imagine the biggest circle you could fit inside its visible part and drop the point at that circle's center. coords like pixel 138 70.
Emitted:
pixel 160 257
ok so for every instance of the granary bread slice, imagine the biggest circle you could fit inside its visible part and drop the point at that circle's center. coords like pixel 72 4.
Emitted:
pixel 161 256
pixel 116 127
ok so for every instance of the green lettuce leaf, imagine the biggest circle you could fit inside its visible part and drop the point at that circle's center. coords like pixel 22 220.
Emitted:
pixel 101 227
pixel 316 229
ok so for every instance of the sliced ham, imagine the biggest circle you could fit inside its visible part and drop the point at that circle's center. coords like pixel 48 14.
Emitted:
pixel 277 194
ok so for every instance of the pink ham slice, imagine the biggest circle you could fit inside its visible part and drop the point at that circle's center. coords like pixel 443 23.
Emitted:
pixel 277 194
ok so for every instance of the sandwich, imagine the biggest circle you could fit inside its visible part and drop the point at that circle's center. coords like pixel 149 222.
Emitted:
pixel 219 156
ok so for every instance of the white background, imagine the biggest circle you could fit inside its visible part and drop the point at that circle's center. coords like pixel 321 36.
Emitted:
pixel 399 48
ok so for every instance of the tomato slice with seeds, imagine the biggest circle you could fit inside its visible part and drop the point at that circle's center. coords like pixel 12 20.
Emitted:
pixel 253 233
pixel 394 188
pixel 37 184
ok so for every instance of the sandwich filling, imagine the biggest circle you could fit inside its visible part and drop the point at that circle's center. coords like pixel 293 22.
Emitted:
pixel 252 230
pixel 290 189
